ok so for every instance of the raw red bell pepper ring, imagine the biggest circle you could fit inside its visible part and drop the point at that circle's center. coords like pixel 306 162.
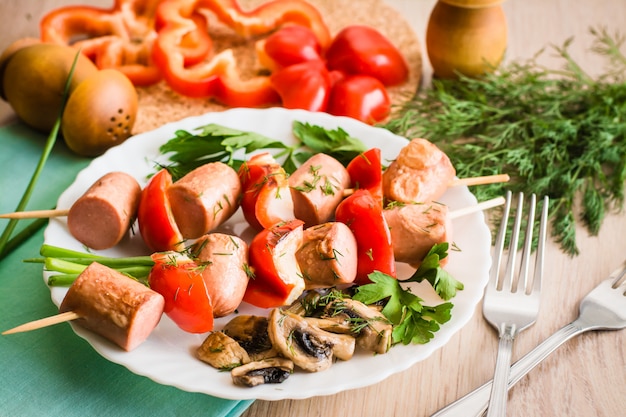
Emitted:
pixel 118 38
pixel 277 277
pixel 363 214
pixel 154 215
pixel 366 173
pixel 187 301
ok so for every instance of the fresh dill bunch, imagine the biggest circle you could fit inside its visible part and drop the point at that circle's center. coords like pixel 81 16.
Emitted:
pixel 556 132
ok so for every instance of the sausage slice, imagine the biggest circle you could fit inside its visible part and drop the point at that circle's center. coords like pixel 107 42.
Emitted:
pixel 204 198
pixel 113 305
pixel 102 216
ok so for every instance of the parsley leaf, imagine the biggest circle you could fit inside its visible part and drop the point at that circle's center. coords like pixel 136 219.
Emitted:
pixel 336 143
pixel 430 269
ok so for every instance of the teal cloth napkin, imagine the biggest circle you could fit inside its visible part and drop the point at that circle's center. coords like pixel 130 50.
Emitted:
pixel 51 371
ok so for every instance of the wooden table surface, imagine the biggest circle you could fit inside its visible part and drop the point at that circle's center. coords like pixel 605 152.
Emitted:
pixel 585 377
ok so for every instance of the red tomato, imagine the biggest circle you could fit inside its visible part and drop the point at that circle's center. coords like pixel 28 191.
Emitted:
pixel 303 86
pixel 187 302
pixel 363 50
pixel 363 214
pixel 361 97
pixel 289 45
pixel 266 198
pixel 366 173
pixel 277 277
pixel 156 221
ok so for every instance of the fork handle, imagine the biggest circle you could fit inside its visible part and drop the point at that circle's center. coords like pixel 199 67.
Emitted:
pixel 498 397
pixel 475 402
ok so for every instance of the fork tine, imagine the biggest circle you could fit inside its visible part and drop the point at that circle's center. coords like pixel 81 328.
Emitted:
pixel 499 244
pixel 527 249
pixel 541 245
pixel 508 279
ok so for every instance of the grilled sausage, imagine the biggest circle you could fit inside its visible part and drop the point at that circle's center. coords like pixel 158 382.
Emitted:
pixel 113 305
pixel 204 198
pixel 317 188
pixel 102 216
pixel 328 255
pixel 224 261
pixel 420 173
pixel 415 228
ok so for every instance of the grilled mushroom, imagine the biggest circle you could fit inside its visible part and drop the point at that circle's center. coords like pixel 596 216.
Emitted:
pixel 222 352
pixel 267 371
pixel 309 347
pixel 373 330
pixel 251 334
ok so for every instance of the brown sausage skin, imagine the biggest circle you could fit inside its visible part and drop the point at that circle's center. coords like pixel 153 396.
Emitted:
pixel 420 173
pixel 415 228
pixel 114 305
pixel 224 260
pixel 102 216
pixel 317 189
pixel 204 198
pixel 328 256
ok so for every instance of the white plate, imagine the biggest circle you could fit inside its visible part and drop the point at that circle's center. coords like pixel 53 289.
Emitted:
pixel 167 356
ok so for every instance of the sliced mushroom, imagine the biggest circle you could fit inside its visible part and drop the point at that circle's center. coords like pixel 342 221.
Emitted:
pixel 373 330
pixel 267 371
pixel 335 324
pixel 222 352
pixel 310 348
pixel 251 334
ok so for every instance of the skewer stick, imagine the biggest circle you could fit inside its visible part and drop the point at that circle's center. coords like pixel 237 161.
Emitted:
pixel 35 214
pixel 45 322
pixel 487 179
pixel 484 205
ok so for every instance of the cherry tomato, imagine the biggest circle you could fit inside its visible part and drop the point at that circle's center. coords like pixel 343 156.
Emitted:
pixel 361 97
pixel 303 86
pixel 154 215
pixel 363 214
pixel 363 50
pixel 187 302
pixel 277 277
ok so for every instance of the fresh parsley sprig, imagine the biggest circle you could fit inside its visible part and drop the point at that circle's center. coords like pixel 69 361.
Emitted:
pixel 556 132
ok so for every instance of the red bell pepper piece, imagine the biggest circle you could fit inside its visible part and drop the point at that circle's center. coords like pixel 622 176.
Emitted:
pixel 266 198
pixel 187 301
pixel 361 97
pixel 303 86
pixel 287 46
pixel 277 277
pixel 363 50
pixel 154 215
pixel 118 38
pixel 363 214
pixel 219 78
pixel 366 173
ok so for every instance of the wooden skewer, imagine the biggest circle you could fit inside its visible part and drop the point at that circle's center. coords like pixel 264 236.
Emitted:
pixel 45 322
pixel 35 214
pixel 484 205
pixel 487 179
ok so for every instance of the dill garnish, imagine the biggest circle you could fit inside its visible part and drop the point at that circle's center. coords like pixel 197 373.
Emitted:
pixel 556 132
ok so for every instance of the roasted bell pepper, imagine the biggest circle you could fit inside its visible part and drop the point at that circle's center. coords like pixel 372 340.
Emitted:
pixel 219 77
pixel 156 221
pixel 119 38
pixel 366 173
pixel 266 198
pixel 363 214
pixel 277 279
pixel 187 301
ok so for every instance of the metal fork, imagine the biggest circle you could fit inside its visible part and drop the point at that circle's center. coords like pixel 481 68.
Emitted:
pixel 604 308
pixel 511 302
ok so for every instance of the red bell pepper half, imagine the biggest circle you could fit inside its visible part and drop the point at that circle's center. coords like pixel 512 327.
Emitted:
pixel 363 50
pixel 363 214
pixel 118 38
pixel 361 97
pixel 305 85
pixel 287 46
pixel 156 221
pixel 266 198
pixel 366 173
pixel 187 301
pixel 277 277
